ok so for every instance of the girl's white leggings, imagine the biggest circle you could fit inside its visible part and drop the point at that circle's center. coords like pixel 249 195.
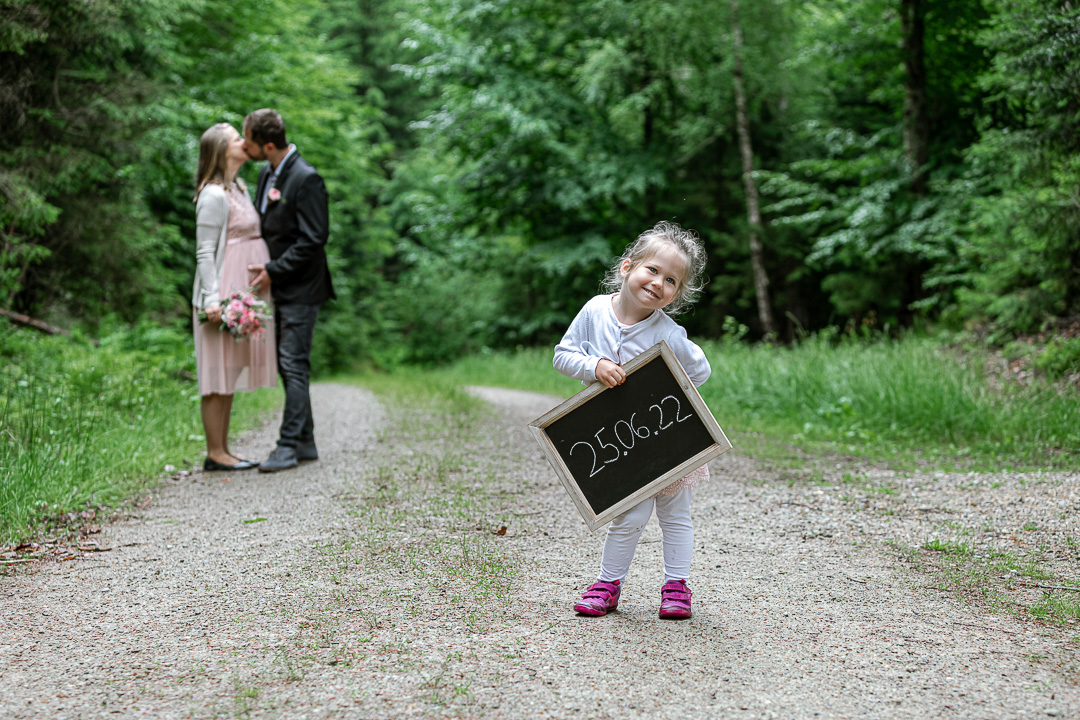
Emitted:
pixel 673 513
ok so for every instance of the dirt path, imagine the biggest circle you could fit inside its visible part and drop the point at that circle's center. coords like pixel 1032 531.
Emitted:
pixel 374 584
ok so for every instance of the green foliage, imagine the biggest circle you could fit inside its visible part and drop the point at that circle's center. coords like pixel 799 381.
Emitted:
pixel 532 162
pixel 1024 239
pixel 1060 357
pixel 875 242
pixel 26 209
pixel 76 78
pixel 487 161
pixel 1025 226
pixel 572 129
pixel 88 426
pixel 875 246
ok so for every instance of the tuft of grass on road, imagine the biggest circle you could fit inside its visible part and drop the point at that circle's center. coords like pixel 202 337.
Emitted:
pixel 428 506
pixel 996 579
pixel 84 426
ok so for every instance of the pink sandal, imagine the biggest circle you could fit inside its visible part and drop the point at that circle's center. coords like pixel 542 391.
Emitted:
pixel 599 599
pixel 675 600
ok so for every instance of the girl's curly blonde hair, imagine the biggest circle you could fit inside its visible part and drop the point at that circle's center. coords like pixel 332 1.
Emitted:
pixel 648 244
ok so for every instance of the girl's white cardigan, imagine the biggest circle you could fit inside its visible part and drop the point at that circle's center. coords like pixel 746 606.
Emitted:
pixel 596 333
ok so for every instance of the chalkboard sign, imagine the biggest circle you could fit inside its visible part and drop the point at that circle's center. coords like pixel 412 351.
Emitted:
pixel 614 447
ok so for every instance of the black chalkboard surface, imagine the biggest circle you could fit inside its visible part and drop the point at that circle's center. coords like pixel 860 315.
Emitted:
pixel 611 448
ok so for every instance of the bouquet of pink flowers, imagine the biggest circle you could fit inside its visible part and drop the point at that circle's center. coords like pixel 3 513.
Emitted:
pixel 243 315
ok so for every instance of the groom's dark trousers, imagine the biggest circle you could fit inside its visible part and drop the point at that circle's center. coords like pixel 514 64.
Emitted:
pixel 294 326
pixel 296 226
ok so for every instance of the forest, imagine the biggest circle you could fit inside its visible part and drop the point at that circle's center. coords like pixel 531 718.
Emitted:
pixel 874 164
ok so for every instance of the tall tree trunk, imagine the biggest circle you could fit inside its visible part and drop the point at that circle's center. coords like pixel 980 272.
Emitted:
pixel 916 129
pixel 753 211
pixel 648 130
pixel 916 117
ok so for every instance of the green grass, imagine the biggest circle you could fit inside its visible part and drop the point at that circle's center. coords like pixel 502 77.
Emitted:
pixel 88 427
pixel 441 391
pixel 525 369
pixel 911 402
pixel 1057 608
pixel 949 547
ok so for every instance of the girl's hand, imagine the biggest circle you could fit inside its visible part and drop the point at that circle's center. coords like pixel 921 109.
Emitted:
pixel 609 373
pixel 213 314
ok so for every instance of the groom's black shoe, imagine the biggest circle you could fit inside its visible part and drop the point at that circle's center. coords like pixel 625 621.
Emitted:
pixel 213 465
pixel 282 458
pixel 306 451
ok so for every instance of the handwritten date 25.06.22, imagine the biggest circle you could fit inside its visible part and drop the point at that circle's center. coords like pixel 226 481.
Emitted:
pixel 666 413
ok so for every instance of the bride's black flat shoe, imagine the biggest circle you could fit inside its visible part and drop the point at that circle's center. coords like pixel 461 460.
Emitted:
pixel 209 464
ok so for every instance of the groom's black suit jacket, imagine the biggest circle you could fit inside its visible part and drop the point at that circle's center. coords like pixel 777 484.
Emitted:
pixel 295 229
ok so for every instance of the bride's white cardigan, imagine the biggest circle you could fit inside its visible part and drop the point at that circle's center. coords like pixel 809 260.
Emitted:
pixel 211 234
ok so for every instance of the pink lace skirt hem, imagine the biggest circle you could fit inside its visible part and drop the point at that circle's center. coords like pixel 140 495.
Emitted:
pixel 688 480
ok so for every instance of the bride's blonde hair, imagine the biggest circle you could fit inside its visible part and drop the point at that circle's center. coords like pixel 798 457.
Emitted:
pixel 213 148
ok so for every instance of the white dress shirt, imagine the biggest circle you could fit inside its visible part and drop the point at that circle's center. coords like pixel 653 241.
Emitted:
pixel 272 180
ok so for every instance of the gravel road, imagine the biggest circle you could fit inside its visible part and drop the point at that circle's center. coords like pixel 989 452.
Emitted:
pixel 379 583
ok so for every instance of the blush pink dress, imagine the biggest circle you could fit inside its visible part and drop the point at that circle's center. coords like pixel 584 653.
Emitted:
pixel 224 364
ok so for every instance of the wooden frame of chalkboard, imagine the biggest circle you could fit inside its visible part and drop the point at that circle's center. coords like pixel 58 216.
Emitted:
pixel 657 409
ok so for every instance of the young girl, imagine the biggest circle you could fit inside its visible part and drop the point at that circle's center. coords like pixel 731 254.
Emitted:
pixel 658 275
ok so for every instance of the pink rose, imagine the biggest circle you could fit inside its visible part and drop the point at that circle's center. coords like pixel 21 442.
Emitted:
pixel 274 195
pixel 236 306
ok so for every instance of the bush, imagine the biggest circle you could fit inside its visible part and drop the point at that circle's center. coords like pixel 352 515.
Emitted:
pixel 1061 357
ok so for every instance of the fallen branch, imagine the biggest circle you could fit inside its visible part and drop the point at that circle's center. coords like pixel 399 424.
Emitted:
pixel 953 622
pixel 984 627
pixel 522 637
pixel 39 325
pixel 27 321
pixel 1052 587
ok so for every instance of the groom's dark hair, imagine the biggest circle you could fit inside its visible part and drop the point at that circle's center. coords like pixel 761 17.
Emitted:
pixel 266 126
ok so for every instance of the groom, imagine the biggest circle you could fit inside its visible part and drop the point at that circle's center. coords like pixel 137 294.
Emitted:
pixel 295 218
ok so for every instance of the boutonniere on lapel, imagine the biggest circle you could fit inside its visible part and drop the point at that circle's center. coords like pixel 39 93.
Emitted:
pixel 274 195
